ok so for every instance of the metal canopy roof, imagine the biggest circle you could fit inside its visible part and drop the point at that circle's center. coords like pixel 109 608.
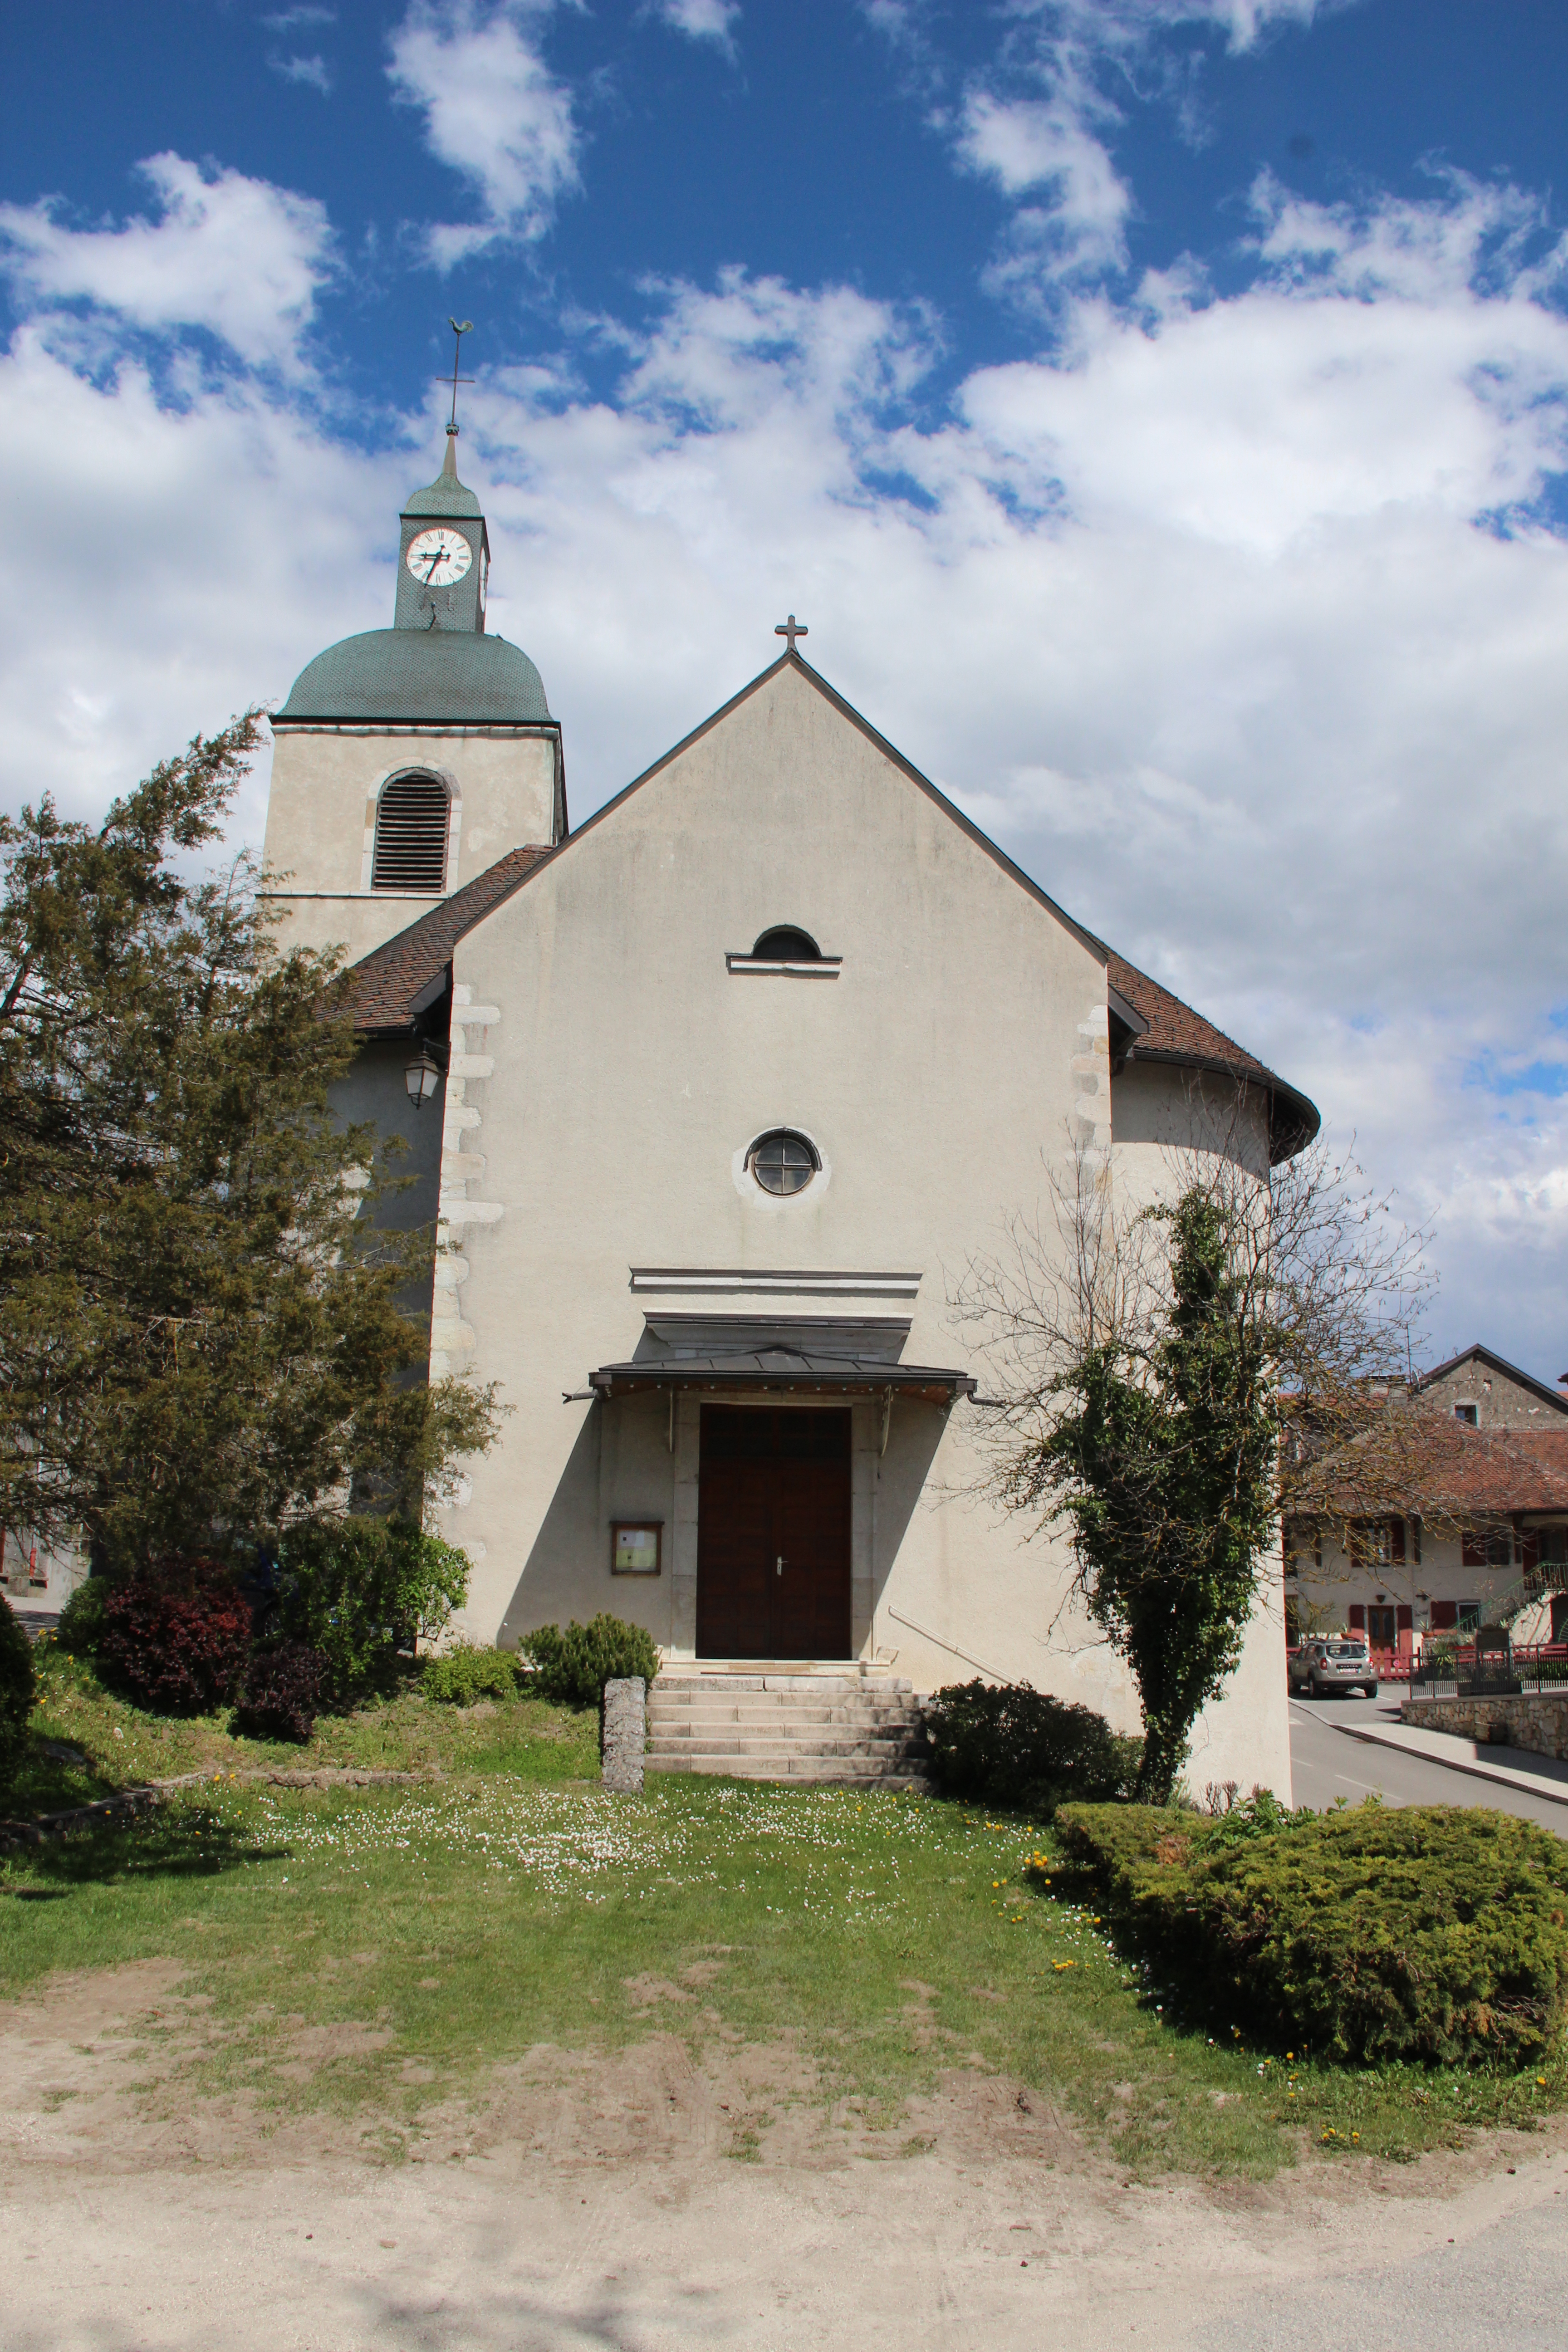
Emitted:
pixel 807 1355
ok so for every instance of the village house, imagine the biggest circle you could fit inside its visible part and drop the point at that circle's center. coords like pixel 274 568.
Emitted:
pixel 1479 1529
pixel 711 1102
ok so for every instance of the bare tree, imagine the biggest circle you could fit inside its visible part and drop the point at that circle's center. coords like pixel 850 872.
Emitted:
pixel 1171 1377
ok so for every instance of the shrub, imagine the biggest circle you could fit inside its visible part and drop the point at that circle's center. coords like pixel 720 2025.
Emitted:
pixel 469 1673
pixel 361 1589
pixel 573 1667
pixel 81 1628
pixel 281 1695
pixel 16 1692
pixel 175 1640
pixel 1433 1933
pixel 1011 1746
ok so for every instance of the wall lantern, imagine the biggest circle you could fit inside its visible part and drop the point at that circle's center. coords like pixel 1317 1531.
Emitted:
pixel 422 1077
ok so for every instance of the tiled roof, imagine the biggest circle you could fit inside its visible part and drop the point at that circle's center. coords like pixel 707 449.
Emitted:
pixel 1418 1461
pixel 1176 1033
pixel 397 981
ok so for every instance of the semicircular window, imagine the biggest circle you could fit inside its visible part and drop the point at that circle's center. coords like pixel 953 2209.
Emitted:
pixel 411 835
pixel 784 944
pixel 782 1162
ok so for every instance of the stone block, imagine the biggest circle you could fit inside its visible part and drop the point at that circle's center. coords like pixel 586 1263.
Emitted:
pixel 625 1735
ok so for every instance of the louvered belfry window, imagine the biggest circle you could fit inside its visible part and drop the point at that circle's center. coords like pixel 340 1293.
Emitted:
pixel 411 835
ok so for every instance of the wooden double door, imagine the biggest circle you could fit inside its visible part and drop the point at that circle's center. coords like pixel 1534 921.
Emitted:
pixel 773 1533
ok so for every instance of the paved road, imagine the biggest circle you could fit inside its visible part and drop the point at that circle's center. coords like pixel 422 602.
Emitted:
pixel 1326 1763
pixel 1497 2289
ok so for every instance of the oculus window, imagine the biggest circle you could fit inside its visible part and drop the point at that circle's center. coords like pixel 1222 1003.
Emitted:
pixel 782 1162
pixel 411 835
pixel 784 944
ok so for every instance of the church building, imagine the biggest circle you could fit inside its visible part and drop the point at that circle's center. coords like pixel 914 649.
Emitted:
pixel 711 1102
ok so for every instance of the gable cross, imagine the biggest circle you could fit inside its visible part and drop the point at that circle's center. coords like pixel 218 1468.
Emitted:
pixel 791 628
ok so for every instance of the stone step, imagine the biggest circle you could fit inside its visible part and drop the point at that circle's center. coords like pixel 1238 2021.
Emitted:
pixel 872 1750
pixel 764 1678
pixel 794 1771
pixel 846 1729
pixel 798 1720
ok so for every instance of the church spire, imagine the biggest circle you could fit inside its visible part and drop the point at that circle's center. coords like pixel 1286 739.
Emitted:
pixel 444 557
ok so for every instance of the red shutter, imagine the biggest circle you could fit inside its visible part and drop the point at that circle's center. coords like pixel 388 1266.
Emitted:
pixel 1444 1616
pixel 1357 1618
pixel 1472 1551
pixel 1396 1539
pixel 1530 1549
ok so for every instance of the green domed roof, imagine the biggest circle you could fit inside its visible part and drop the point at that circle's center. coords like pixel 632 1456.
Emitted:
pixel 419 674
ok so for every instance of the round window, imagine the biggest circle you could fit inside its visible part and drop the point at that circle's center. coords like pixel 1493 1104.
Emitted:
pixel 782 1162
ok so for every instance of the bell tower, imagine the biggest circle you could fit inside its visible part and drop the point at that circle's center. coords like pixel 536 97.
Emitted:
pixel 407 760
pixel 444 556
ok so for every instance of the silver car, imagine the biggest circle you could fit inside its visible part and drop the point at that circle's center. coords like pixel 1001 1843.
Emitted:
pixel 1319 1667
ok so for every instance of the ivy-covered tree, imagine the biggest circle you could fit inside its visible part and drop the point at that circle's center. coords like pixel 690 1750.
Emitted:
pixel 1173 1379
pixel 202 1332
pixel 1167 1471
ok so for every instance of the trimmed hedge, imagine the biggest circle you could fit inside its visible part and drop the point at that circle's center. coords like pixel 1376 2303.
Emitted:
pixel 573 1667
pixel 1432 1933
pixel 468 1672
pixel 1023 1752
pixel 16 1686
pixel 175 1641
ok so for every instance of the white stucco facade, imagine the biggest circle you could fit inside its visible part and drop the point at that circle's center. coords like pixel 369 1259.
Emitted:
pixel 610 1068
pixel 504 786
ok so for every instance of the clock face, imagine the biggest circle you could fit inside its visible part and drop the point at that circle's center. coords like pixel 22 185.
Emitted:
pixel 438 557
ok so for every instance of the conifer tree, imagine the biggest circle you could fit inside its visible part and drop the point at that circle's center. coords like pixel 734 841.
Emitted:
pixel 203 1331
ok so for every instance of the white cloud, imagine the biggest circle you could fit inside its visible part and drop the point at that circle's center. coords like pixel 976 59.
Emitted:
pixel 1197 619
pixel 702 20
pixel 492 112
pixel 1028 143
pixel 299 19
pixel 1035 120
pixel 236 256
pixel 312 72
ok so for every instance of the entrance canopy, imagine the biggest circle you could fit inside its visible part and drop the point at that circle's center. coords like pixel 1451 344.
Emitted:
pixel 805 1355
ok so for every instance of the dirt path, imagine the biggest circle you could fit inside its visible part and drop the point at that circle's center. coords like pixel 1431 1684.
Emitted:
pixel 612 2205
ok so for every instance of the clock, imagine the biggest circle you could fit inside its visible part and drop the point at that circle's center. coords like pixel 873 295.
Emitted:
pixel 436 558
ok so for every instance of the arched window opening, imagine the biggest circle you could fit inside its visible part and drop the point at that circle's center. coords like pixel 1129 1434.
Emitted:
pixel 784 944
pixel 782 1162
pixel 411 835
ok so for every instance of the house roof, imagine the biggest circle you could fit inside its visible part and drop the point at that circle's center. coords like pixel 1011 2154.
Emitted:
pixel 1178 1035
pixel 1162 1028
pixel 1478 1354
pixel 397 982
pixel 1419 1463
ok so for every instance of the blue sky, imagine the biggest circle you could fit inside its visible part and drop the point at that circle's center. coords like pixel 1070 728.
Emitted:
pixel 1158 408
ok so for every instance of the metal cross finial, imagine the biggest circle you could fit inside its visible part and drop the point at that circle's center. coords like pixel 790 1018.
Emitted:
pixel 460 327
pixel 791 628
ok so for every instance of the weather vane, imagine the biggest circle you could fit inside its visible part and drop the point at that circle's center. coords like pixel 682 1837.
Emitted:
pixel 460 327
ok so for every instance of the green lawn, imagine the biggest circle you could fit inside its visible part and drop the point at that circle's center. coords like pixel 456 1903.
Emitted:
pixel 120 1746
pixel 448 1927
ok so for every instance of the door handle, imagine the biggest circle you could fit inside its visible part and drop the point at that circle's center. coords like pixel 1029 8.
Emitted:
pixel 779 1570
